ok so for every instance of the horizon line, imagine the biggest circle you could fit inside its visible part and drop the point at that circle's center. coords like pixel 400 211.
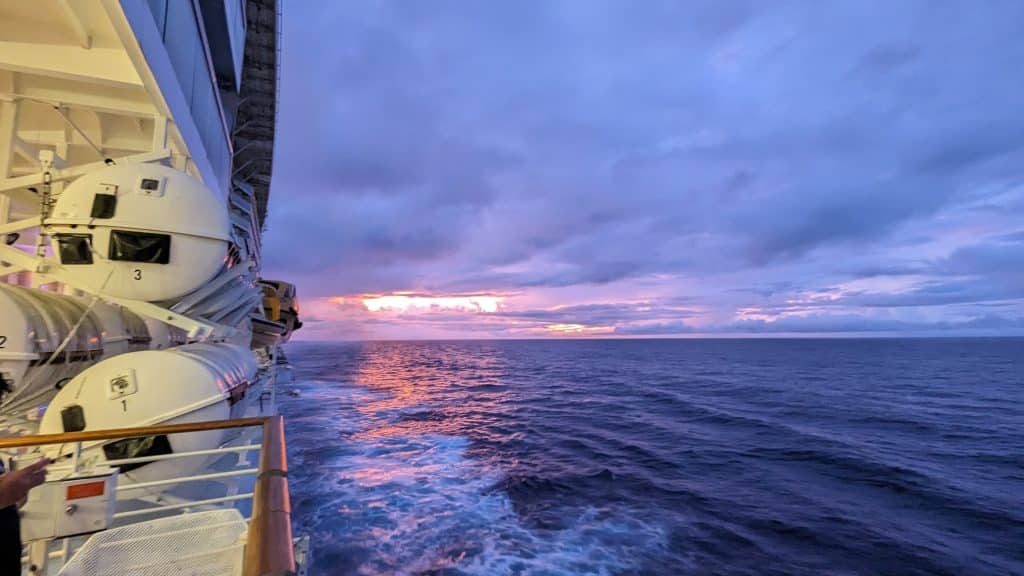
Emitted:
pixel 781 336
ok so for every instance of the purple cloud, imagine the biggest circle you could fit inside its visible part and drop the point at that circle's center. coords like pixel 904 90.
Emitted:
pixel 800 167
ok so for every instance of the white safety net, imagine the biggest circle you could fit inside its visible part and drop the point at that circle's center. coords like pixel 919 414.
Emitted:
pixel 200 544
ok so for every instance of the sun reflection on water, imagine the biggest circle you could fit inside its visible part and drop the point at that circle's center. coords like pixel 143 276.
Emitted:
pixel 415 399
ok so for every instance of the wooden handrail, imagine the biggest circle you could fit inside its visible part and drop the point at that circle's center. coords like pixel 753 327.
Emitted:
pixel 90 435
pixel 269 550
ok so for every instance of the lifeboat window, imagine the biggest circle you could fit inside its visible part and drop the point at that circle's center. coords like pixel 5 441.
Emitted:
pixel 103 206
pixel 75 248
pixel 73 418
pixel 137 448
pixel 140 247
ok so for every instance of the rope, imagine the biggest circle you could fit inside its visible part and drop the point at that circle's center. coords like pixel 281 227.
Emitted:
pixel 67 340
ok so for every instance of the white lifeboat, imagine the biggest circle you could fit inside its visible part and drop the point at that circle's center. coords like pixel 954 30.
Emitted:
pixel 190 383
pixel 48 338
pixel 140 231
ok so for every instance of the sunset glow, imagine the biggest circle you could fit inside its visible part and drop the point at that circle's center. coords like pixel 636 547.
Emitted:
pixel 577 329
pixel 407 303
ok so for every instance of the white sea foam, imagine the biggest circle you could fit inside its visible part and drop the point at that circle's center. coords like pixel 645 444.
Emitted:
pixel 413 503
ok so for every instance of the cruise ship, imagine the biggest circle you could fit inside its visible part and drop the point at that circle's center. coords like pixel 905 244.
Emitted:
pixel 139 343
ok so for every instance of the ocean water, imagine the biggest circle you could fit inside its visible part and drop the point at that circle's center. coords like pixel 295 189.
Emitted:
pixel 659 456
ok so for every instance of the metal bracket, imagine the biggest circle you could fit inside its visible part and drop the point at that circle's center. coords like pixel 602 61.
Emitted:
pixel 196 329
pixel 19 225
pixel 8 185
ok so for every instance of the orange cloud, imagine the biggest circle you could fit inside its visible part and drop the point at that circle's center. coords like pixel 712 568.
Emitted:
pixel 407 302
pixel 577 329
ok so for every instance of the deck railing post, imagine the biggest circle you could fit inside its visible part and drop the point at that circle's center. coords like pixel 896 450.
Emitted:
pixel 269 550
pixel 76 457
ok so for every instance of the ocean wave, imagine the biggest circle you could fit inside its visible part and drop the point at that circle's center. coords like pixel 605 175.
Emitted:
pixel 416 504
pixel 655 458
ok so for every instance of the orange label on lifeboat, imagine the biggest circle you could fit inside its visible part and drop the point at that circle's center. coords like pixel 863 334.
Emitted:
pixel 87 490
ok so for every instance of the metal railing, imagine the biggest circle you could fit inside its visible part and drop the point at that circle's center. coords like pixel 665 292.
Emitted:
pixel 269 546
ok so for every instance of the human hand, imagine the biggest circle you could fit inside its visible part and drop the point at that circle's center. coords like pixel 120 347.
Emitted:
pixel 14 486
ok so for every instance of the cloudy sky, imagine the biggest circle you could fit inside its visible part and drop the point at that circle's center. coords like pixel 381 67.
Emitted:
pixel 587 168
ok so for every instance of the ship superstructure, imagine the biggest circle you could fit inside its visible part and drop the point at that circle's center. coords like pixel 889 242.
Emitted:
pixel 136 146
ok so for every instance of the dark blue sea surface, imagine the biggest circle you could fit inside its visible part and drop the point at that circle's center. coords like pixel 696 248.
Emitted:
pixel 660 456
